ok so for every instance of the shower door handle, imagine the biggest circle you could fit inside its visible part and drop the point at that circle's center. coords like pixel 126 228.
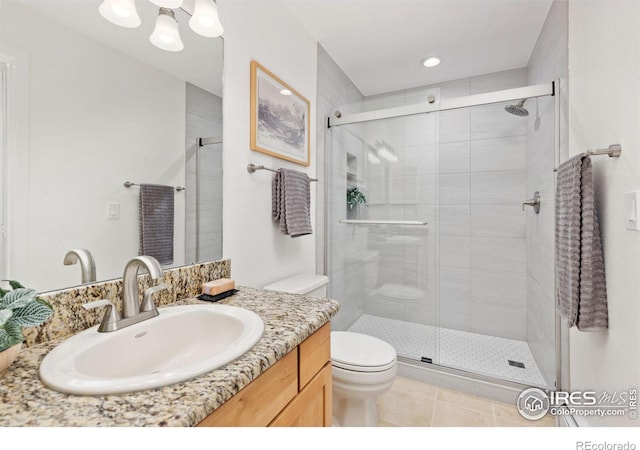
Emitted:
pixel 535 202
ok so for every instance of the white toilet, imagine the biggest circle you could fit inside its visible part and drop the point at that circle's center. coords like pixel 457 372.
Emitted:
pixel 364 367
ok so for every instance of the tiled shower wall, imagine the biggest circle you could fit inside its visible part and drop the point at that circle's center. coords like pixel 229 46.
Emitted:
pixel 204 119
pixel 482 227
pixel 548 62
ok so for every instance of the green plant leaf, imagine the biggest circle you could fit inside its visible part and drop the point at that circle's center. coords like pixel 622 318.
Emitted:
pixel 3 292
pixel 5 315
pixel 355 196
pixel 44 302
pixel 15 284
pixel 31 315
pixel 17 298
pixel 10 335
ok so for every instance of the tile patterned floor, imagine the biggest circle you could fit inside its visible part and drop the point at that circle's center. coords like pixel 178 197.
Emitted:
pixel 471 352
pixel 410 403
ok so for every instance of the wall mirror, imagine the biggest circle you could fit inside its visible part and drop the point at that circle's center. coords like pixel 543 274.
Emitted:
pixel 87 106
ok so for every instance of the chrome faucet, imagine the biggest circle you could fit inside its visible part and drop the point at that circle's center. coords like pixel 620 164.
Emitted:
pixel 87 264
pixel 130 302
pixel 132 311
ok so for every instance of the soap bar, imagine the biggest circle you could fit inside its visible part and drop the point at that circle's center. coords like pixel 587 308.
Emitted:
pixel 218 286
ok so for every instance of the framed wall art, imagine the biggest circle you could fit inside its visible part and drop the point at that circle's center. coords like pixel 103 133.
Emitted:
pixel 280 118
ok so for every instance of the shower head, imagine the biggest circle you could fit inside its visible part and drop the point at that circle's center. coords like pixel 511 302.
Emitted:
pixel 517 110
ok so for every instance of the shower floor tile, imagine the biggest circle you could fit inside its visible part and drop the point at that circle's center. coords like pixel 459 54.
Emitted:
pixel 472 352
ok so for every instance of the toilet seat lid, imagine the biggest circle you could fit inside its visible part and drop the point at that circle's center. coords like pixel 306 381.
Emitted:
pixel 361 352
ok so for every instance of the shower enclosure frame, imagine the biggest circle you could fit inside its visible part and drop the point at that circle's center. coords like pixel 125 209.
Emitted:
pixel 507 95
pixel 412 366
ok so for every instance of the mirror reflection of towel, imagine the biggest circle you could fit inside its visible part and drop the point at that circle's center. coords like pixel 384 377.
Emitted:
pixel 581 284
pixel 291 202
pixel 156 222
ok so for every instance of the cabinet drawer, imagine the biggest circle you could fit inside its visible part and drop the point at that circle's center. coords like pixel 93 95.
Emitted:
pixel 315 352
pixel 260 401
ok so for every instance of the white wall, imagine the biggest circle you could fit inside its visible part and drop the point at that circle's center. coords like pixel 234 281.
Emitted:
pixel 89 131
pixel 604 69
pixel 268 33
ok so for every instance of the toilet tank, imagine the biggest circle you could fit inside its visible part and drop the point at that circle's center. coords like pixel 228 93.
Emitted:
pixel 305 284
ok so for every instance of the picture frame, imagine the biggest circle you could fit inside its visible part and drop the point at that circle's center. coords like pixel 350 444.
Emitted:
pixel 280 118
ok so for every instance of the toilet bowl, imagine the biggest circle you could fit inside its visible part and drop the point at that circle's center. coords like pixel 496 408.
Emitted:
pixel 363 367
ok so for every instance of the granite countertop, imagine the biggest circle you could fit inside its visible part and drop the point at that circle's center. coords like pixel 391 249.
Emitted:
pixel 288 320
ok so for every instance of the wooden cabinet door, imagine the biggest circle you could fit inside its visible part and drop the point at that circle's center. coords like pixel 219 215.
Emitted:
pixel 261 400
pixel 312 406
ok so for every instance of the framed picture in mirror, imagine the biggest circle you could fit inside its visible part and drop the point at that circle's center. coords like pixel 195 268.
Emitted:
pixel 279 117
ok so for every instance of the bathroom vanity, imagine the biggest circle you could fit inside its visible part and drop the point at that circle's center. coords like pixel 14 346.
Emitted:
pixel 296 391
pixel 284 380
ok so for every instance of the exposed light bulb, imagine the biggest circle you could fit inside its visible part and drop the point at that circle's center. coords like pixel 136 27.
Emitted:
pixel 171 4
pixel 166 34
pixel 120 12
pixel 205 20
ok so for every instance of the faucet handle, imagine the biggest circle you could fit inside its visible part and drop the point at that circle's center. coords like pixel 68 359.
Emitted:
pixel 111 315
pixel 147 301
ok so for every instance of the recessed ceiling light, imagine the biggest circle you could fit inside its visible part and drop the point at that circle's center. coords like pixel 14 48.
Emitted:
pixel 285 92
pixel 431 61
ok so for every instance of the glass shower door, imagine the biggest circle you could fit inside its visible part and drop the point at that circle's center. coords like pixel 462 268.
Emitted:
pixel 381 242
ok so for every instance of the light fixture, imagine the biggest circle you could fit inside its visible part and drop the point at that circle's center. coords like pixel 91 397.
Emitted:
pixel 431 61
pixel 285 92
pixel 171 4
pixel 120 12
pixel 166 34
pixel 205 20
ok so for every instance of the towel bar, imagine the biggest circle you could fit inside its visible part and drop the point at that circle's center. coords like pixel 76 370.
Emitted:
pixel 383 222
pixel 128 184
pixel 614 151
pixel 251 168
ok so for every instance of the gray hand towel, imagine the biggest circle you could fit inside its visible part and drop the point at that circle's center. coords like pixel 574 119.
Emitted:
pixel 581 286
pixel 156 222
pixel 291 202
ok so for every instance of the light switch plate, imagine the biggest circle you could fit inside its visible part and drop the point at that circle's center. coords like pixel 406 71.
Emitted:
pixel 113 211
pixel 632 210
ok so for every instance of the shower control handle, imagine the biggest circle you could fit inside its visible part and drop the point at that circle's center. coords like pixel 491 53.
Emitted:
pixel 535 202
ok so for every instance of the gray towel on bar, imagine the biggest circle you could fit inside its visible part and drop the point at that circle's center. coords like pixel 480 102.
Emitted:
pixel 156 222
pixel 581 286
pixel 291 202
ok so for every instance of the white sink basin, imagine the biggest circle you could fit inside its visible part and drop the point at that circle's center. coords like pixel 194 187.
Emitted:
pixel 181 343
